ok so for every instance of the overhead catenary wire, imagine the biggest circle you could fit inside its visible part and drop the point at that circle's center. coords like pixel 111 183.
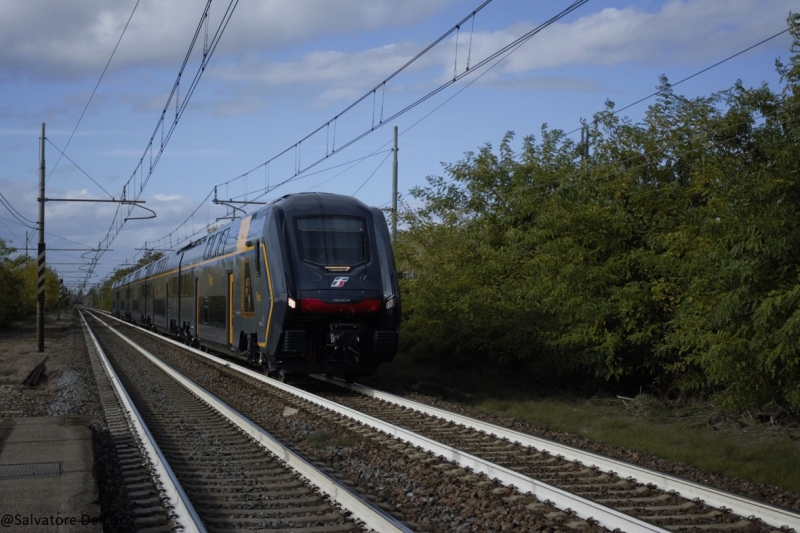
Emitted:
pixel 327 124
pixel 78 167
pixel 180 106
pixel 21 219
pixel 687 78
pixel 94 91
pixel 355 164
pixel 301 171
pixel 160 243
pixel 267 187
pixel 118 222
pixel 3 220
pixel 371 175
pixel 508 51
pixel 509 47
pixel 617 111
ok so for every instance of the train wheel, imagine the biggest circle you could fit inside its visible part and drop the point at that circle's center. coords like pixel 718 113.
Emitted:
pixel 277 374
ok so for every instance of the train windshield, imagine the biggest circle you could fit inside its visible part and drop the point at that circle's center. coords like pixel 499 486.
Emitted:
pixel 332 240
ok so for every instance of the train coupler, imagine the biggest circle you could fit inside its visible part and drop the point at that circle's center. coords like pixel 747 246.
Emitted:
pixel 345 340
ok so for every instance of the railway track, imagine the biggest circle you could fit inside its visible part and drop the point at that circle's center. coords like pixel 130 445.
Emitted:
pixel 666 501
pixel 213 462
pixel 141 499
pixel 584 491
pixel 424 490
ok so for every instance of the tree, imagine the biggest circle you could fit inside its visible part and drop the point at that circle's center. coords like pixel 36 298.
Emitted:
pixel 667 255
pixel 10 299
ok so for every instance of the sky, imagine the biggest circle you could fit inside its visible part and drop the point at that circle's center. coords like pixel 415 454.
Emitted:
pixel 280 70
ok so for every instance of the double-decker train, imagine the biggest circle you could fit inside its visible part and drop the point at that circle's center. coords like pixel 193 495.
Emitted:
pixel 306 284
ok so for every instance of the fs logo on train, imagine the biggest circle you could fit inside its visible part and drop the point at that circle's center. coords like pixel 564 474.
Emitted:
pixel 339 281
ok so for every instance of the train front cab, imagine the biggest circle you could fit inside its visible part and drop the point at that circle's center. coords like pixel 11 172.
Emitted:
pixel 342 308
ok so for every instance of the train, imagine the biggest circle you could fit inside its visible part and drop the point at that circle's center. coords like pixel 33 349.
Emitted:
pixel 306 284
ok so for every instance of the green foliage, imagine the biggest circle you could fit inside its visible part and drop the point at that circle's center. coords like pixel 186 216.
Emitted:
pixel 9 287
pixel 663 254
pixel 101 297
pixel 19 287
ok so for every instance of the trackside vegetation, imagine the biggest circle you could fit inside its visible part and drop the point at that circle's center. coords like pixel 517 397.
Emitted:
pixel 101 296
pixel 662 255
pixel 19 287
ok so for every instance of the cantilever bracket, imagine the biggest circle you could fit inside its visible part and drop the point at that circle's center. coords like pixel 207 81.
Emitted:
pixel 229 203
pixel 220 202
pixel 136 203
pixel 123 202
pixel 95 250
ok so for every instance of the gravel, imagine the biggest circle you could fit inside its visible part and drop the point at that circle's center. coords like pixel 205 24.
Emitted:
pixel 428 492
pixel 67 388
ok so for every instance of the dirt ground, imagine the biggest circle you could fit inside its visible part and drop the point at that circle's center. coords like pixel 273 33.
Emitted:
pixel 67 385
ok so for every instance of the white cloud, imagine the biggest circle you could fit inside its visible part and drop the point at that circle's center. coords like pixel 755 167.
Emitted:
pixel 81 34
pixel 682 31
pixel 77 37
pixel 329 75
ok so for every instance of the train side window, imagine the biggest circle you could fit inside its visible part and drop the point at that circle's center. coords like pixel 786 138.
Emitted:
pixel 221 244
pixel 209 247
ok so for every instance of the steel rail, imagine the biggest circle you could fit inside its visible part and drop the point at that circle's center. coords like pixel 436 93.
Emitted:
pixel 373 517
pixel 582 507
pixel 740 505
pixel 183 509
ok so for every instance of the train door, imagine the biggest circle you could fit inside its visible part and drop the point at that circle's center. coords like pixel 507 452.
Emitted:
pixel 166 304
pixel 230 309
pixel 197 306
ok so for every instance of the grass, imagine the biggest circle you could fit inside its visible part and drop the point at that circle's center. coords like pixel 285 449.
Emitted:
pixel 733 444
pixel 760 452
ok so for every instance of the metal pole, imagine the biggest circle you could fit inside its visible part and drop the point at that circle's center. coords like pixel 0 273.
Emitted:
pixel 394 189
pixel 27 261
pixel 42 265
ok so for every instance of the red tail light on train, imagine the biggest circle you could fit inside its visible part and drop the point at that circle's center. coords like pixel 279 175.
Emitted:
pixel 314 305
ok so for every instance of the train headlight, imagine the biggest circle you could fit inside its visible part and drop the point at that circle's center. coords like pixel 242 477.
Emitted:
pixel 292 303
pixel 390 302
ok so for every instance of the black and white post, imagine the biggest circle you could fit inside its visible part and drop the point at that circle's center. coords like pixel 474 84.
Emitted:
pixel 42 264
